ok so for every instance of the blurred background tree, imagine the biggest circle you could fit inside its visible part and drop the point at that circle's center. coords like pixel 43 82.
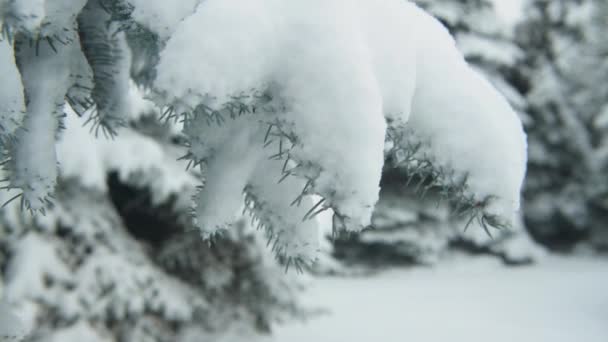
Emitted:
pixel 563 77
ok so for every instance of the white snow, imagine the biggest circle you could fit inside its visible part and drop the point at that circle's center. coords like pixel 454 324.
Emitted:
pixel 296 236
pixel 80 331
pixel 336 69
pixel 510 12
pixel 11 326
pixel 160 16
pixel 41 18
pixel 230 163
pixel 30 14
pixel 35 262
pixel 45 74
pixel 12 103
pixel 133 291
pixel 558 300
pixel 60 16
pixel 468 126
pixel 129 154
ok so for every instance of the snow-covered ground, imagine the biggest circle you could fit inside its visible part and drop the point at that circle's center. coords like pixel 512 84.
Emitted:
pixel 560 299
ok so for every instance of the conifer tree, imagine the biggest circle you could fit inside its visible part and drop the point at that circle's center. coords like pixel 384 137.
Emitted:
pixel 273 104
pixel 413 222
pixel 565 68
pixel 226 106
pixel 116 258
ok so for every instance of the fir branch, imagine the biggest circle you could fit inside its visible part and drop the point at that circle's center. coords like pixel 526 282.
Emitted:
pixel 106 51
pixel 407 155
pixel 261 213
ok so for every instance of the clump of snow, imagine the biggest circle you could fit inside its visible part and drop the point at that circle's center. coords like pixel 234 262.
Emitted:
pixel 295 233
pixel 77 150
pixel 162 17
pixel 129 154
pixel 236 162
pixel 134 290
pixel 322 82
pixel 51 19
pixel 36 261
pixel 354 65
pixel 12 103
pixel 229 167
pixel 46 77
pixel 60 16
pixel 25 16
pixel 205 54
pixel 510 12
pixel 470 128
pixel 80 331
pixel 11 326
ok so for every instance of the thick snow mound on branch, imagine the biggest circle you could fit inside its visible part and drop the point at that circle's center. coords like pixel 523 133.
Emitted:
pixel 160 16
pixel 60 16
pixel 26 15
pixel 41 18
pixel 469 126
pixel 339 70
pixel 12 103
pixel 46 76
pixel 11 326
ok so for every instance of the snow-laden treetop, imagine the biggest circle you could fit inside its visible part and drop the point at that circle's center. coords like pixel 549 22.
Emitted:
pixel 279 100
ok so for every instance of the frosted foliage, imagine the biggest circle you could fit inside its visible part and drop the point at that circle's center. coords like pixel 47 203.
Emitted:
pixel 11 327
pixel 371 62
pixel 35 167
pixel 160 16
pixel 80 331
pixel 119 106
pixel 134 289
pixel 566 98
pixel 79 94
pixel 26 15
pixel 77 150
pixel 322 83
pixel 296 235
pixel 35 260
pixel 138 159
pixel 110 59
pixel 486 145
pixel 40 18
pixel 60 17
pixel 314 117
pixel 229 168
pixel 234 166
pixel 12 105
pixel 80 266
pixel 144 155
pixel 81 274
pixel 45 73
pixel 213 37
